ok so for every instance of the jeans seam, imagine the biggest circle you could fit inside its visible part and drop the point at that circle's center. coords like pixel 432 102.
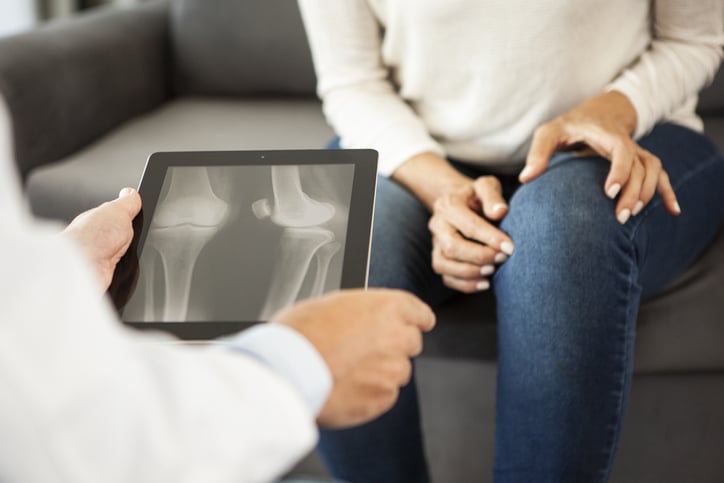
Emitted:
pixel 627 342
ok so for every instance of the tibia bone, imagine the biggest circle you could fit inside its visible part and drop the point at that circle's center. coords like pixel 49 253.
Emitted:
pixel 323 256
pixel 292 207
pixel 149 269
pixel 296 249
pixel 179 248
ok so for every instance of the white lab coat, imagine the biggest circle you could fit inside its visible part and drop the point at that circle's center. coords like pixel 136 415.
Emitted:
pixel 84 400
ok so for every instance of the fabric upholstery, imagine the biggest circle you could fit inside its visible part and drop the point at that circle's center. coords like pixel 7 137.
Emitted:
pixel 711 100
pixel 238 48
pixel 98 172
pixel 70 82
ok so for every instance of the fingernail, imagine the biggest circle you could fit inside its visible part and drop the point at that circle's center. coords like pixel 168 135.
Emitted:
pixel 613 190
pixel 500 257
pixel 125 192
pixel 623 215
pixel 677 208
pixel 507 247
pixel 637 208
pixel 499 207
pixel 525 173
pixel 484 285
pixel 487 270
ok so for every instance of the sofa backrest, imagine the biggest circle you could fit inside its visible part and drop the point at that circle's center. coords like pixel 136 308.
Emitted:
pixel 240 47
pixel 711 100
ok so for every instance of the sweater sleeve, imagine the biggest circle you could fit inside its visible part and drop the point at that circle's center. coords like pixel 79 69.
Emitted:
pixel 682 58
pixel 360 101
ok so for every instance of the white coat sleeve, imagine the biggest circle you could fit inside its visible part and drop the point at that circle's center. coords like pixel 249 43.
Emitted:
pixel 359 100
pixel 682 58
pixel 85 400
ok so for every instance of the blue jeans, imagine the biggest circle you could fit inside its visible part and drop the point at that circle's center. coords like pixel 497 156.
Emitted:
pixel 567 303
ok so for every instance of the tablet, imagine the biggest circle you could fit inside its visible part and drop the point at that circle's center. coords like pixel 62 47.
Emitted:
pixel 226 239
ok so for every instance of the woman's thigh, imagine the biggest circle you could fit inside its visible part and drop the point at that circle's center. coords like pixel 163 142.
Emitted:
pixel 667 245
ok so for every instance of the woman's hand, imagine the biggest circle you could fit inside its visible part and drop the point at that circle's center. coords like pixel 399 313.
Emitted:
pixel 466 246
pixel 605 123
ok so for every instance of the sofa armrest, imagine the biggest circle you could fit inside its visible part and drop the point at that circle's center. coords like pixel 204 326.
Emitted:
pixel 72 81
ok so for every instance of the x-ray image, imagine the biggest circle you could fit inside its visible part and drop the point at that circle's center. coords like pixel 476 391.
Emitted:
pixel 238 243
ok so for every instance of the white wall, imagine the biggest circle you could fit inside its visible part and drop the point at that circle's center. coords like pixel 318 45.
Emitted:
pixel 16 16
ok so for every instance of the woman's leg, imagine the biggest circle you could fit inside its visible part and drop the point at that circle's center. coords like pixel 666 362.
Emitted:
pixel 568 301
pixel 390 448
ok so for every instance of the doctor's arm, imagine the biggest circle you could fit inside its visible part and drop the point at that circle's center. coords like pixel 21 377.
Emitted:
pixel 96 402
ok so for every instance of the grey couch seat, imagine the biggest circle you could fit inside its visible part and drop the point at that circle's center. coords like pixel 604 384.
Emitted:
pixel 93 174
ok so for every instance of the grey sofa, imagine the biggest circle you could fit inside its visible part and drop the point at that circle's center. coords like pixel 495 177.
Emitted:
pixel 91 97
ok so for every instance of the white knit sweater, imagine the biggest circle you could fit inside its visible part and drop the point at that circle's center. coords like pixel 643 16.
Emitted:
pixel 472 79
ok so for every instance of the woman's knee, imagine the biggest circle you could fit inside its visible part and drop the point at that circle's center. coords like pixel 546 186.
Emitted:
pixel 564 218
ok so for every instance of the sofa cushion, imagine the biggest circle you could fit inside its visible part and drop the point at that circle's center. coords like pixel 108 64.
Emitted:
pixel 711 99
pixel 682 329
pixel 240 47
pixel 714 128
pixel 96 173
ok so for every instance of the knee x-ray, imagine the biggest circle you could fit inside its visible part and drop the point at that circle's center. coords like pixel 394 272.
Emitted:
pixel 238 243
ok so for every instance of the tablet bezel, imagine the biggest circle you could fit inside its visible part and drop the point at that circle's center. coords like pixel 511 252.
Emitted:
pixel 359 227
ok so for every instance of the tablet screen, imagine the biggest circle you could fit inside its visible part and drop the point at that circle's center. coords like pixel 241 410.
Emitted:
pixel 237 243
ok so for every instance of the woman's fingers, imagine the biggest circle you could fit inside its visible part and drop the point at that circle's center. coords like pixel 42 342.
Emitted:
pixel 646 177
pixel 546 140
pixel 466 286
pixel 622 156
pixel 490 194
pixel 449 248
pixel 454 246
pixel 631 193
pixel 652 165
pixel 442 265
pixel 667 194
pixel 455 210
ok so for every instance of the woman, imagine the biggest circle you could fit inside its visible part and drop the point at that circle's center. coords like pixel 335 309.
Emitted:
pixel 619 192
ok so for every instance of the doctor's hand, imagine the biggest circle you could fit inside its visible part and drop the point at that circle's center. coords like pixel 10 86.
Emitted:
pixel 605 124
pixel 367 339
pixel 104 233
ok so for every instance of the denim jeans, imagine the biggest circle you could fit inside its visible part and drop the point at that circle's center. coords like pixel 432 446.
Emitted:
pixel 567 303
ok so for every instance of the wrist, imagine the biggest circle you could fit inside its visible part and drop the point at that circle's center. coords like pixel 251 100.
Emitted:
pixel 613 108
pixel 428 176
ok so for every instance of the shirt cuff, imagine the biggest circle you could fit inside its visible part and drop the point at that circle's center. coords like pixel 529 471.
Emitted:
pixel 290 355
